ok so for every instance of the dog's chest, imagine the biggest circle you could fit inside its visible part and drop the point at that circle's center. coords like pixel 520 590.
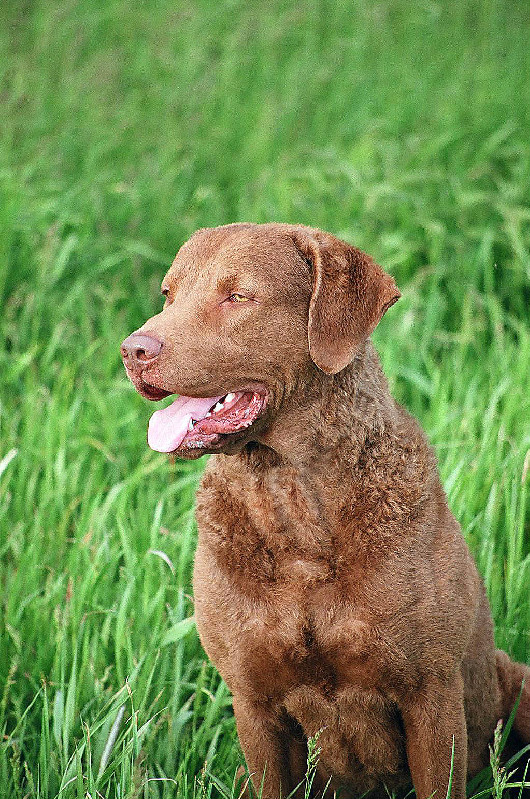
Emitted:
pixel 274 607
pixel 307 644
pixel 265 530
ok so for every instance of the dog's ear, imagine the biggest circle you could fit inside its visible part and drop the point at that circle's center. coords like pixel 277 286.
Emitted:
pixel 350 295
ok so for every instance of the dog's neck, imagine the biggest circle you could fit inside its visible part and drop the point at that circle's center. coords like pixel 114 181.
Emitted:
pixel 328 419
pixel 317 443
pixel 324 465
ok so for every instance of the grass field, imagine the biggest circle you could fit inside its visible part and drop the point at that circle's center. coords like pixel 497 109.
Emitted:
pixel 400 126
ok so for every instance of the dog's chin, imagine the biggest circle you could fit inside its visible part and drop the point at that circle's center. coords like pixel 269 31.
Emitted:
pixel 229 444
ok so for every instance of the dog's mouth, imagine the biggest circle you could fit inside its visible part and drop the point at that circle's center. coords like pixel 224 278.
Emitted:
pixel 202 422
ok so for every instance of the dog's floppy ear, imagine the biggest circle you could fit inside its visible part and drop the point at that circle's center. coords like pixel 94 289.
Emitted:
pixel 350 295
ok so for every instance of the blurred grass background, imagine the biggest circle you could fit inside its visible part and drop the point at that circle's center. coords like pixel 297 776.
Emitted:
pixel 400 126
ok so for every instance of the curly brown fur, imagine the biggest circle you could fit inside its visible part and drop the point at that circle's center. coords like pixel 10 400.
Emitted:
pixel 333 588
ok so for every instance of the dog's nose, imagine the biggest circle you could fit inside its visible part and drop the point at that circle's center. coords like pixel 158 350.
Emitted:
pixel 139 349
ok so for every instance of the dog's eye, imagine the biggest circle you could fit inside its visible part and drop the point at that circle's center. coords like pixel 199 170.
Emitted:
pixel 165 291
pixel 238 298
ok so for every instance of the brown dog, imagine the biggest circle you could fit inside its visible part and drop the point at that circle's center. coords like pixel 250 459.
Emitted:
pixel 333 588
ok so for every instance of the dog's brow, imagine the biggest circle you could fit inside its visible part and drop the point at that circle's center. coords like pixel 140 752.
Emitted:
pixel 228 282
pixel 172 277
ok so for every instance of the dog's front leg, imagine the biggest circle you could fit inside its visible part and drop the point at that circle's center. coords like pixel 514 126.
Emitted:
pixel 433 718
pixel 265 744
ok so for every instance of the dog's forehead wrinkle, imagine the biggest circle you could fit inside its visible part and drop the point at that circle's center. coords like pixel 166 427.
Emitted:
pixel 256 259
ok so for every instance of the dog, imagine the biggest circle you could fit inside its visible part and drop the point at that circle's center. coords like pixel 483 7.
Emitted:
pixel 333 587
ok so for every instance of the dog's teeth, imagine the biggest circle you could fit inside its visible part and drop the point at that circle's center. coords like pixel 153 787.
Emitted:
pixel 217 407
pixel 229 398
pixel 208 414
pixel 190 424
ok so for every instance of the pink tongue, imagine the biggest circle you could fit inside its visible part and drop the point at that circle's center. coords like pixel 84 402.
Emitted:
pixel 168 427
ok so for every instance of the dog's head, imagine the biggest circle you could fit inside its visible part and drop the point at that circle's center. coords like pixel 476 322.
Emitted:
pixel 250 311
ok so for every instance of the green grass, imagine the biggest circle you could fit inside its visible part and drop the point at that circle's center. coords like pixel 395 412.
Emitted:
pixel 400 126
